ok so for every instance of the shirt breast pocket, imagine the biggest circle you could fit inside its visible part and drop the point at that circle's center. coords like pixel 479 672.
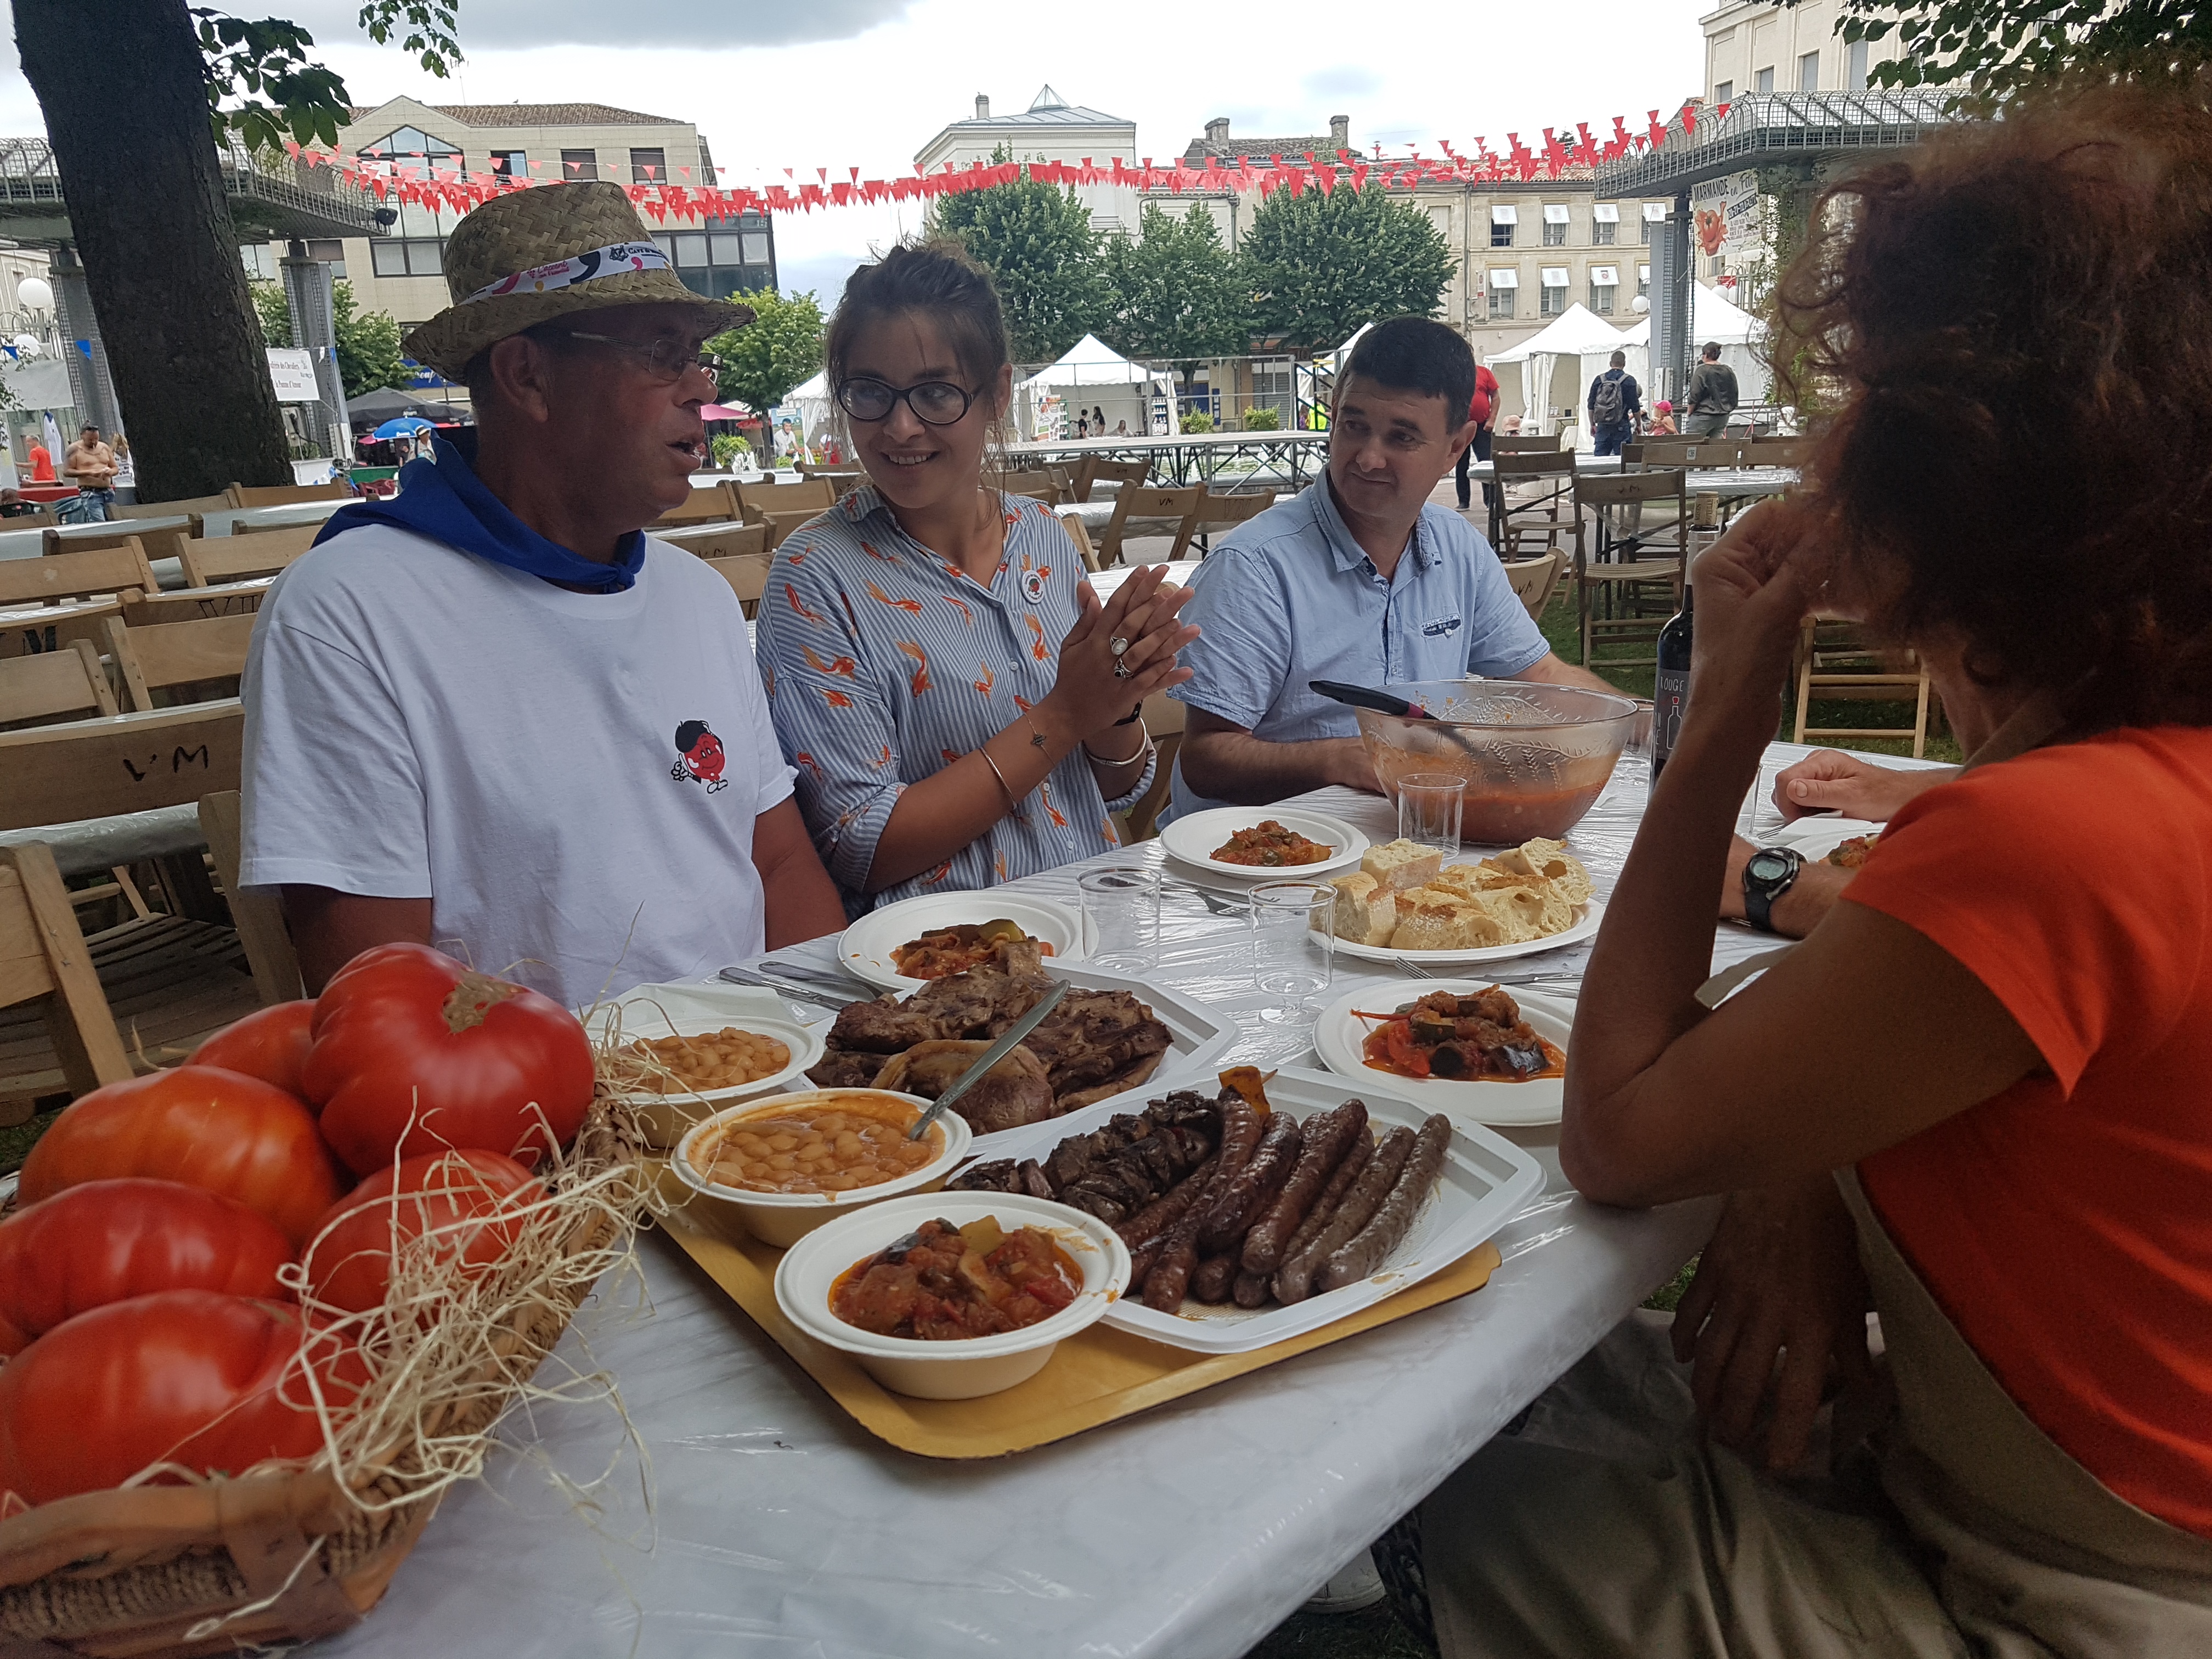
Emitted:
pixel 1441 628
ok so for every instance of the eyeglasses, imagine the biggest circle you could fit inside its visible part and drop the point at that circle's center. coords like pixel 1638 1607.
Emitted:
pixel 664 360
pixel 934 403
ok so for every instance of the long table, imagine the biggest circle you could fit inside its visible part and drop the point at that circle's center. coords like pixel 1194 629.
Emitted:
pixel 1189 458
pixel 778 1528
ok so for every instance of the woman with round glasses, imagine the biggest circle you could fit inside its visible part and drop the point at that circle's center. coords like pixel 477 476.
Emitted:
pixel 960 707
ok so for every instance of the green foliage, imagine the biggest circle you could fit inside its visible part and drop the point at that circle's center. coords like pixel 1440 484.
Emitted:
pixel 1988 49
pixel 264 65
pixel 1035 241
pixel 1173 290
pixel 725 447
pixel 1197 420
pixel 1263 420
pixel 1321 265
pixel 781 348
pixel 369 342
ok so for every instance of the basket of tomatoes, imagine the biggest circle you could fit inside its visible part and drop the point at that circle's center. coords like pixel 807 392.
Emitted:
pixel 259 1310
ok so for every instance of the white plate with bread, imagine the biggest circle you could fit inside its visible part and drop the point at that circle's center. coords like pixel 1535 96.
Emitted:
pixel 1405 903
pixel 1194 840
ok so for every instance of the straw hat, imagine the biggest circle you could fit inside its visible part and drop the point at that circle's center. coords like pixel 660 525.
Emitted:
pixel 522 259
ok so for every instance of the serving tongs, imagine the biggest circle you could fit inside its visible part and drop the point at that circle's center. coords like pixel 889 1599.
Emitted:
pixel 1007 1043
pixel 1361 696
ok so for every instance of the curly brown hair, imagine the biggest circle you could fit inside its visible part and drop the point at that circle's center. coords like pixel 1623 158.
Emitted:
pixel 2019 321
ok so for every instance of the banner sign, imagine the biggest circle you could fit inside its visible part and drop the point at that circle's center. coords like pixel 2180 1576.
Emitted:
pixel 292 372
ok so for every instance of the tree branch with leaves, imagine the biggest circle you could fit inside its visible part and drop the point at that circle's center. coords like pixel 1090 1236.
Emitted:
pixel 1989 50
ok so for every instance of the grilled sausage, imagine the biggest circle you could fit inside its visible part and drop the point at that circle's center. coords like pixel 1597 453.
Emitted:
pixel 1215 1275
pixel 1339 1182
pixel 1371 1246
pixel 1140 1266
pixel 1294 1281
pixel 1169 1278
pixel 1157 1217
pixel 1240 1128
pixel 1320 1149
pixel 1250 1291
pixel 1254 1187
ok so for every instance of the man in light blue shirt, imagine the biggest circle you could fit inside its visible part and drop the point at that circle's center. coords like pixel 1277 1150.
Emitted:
pixel 1360 579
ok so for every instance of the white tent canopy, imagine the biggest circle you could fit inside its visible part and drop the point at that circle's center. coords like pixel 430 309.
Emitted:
pixel 1090 374
pixel 1091 361
pixel 807 408
pixel 1714 320
pixel 1578 333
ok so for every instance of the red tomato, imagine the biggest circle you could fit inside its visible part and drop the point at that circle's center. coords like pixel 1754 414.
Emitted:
pixel 108 1241
pixel 416 1052
pixel 181 1377
pixel 349 1265
pixel 231 1134
pixel 270 1043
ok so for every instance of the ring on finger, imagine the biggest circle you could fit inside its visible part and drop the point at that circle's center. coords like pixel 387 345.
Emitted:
pixel 1121 645
pixel 1121 670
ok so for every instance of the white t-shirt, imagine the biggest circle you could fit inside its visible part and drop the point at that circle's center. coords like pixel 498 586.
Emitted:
pixel 572 778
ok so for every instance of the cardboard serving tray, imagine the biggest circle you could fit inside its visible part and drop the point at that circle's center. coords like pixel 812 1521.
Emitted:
pixel 1099 1376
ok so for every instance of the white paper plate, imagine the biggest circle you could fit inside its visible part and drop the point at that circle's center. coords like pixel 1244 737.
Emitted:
pixel 1588 914
pixel 1196 1039
pixel 865 949
pixel 1487 1179
pixel 1815 838
pixel 1193 839
pixel 1337 1036
pixel 690 1009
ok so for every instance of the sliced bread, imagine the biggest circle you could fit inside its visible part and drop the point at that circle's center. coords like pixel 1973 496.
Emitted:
pixel 1431 920
pixel 1366 911
pixel 1401 864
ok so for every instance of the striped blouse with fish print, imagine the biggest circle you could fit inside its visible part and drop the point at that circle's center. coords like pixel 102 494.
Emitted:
pixel 886 663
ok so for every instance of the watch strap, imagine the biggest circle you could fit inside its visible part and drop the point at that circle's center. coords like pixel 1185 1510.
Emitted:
pixel 1759 896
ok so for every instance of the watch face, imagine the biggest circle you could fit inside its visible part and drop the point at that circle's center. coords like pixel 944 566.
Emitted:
pixel 1767 865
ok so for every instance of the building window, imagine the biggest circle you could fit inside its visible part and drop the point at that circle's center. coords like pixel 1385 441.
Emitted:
pixel 1808 72
pixel 260 260
pixel 1855 70
pixel 649 166
pixel 1504 285
pixel 1763 82
pixel 579 164
pixel 1555 300
pixel 1655 215
pixel 407 259
pixel 510 164
pixel 412 146
pixel 1502 222
pixel 1605 223
pixel 1724 92
pixel 1555 225
pixel 1643 283
pixel 1605 283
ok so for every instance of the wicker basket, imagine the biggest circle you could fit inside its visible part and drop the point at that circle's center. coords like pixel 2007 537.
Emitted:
pixel 282 1557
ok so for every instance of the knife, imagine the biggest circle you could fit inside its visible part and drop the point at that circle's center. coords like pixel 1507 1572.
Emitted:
pixel 797 992
pixel 829 980
pixel 991 1056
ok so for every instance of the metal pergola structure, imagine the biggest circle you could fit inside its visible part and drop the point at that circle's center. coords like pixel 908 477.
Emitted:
pixel 1229 459
pixel 282 201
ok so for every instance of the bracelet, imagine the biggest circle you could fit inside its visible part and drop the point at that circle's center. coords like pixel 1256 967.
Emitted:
pixel 1144 751
pixel 1136 713
pixel 1013 806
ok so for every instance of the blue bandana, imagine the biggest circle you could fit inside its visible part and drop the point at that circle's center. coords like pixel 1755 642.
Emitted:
pixel 447 501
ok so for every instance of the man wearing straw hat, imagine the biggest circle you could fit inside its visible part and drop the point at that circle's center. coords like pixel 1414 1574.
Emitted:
pixel 489 713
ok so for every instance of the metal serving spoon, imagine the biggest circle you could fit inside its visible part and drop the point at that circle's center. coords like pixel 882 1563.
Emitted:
pixel 991 1056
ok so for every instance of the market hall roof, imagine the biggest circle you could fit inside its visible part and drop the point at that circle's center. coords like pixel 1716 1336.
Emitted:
pixel 535 115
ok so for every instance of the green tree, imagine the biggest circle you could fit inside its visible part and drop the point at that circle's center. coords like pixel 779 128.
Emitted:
pixel 1035 241
pixel 1174 291
pixel 1319 265
pixel 1988 49
pixel 781 348
pixel 369 340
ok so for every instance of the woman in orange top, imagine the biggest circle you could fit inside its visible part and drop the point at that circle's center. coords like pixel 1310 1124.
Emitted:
pixel 1978 1092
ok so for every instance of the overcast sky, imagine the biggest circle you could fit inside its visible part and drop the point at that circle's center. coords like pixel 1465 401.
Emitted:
pixel 865 83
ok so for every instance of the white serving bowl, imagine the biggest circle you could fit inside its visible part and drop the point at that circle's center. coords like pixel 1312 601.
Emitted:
pixel 962 1369
pixel 659 1010
pixel 783 1219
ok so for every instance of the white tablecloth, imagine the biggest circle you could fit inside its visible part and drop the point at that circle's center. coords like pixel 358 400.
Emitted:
pixel 778 1528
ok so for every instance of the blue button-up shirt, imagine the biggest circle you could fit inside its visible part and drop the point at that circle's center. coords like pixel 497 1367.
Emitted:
pixel 1291 597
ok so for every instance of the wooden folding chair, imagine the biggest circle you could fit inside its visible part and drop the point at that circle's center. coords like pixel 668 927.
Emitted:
pixel 1704 454
pixel 285 494
pixel 1534 580
pixel 1163 719
pixel 213 559
pixel 1078 533
pixel 1039 483
pixel 1835 662
pixel 719 541
pixel 43 518
pixel 747 576
pixel 54 684
pixel 58 1036
pixel 1634 592
pixel 197 653
pixel 1532 487
pixel 1225 511
pixel 1524 443
pixel 1094 469
pixel 711 503
pixel 193 604
pixel 809 497
pixel 1777 452
pixel 1178 509
pixel 257 913
pixel 158 541
pixel 78 574
pixel 778 526
pixel 193 505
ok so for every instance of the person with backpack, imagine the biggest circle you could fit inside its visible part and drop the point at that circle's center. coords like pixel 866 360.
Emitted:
pixel 1614 402
pixel 1711 397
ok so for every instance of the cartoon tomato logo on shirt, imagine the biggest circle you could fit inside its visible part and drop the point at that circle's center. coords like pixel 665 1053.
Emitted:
pixel 703 757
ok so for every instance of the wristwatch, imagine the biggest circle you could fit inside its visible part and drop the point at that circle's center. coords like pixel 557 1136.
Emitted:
pixel 1771 872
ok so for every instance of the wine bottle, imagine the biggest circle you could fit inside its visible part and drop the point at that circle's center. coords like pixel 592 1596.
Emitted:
pixel 1671 685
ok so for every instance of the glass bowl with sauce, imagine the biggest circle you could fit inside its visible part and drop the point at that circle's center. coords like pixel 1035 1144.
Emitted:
pixel 1535 757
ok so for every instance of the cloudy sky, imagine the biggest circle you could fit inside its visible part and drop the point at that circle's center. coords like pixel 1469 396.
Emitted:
pixel 865 83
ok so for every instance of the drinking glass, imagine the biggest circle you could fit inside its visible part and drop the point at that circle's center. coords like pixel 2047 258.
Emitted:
pixel 1293 947
pixel 1121 903
pixel 1429 805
